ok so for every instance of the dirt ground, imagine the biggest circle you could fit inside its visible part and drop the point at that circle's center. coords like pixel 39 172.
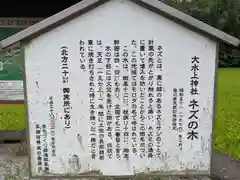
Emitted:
pixel 224 167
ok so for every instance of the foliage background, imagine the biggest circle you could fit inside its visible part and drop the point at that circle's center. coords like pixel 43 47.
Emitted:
pixel 221 14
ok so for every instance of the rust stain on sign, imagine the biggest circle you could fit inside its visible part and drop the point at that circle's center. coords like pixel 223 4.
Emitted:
pixel 80 140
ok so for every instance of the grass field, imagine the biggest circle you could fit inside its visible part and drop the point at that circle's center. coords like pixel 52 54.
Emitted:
pixel 227 127
pixel 12 117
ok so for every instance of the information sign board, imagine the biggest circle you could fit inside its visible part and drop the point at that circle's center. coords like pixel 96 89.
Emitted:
pixel 119 91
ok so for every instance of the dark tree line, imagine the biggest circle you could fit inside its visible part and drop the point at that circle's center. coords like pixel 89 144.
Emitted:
pixel 221 14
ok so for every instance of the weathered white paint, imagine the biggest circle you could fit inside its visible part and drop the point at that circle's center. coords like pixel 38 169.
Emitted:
pixel 125 21
pixel 15 167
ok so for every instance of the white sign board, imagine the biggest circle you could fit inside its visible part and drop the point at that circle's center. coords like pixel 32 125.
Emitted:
pixel 118 91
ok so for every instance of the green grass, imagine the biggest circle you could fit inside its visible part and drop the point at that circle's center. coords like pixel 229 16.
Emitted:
pixel 12 117
pixel 227 125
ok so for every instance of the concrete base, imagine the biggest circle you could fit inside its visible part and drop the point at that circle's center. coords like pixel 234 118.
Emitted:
pixel 12 135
